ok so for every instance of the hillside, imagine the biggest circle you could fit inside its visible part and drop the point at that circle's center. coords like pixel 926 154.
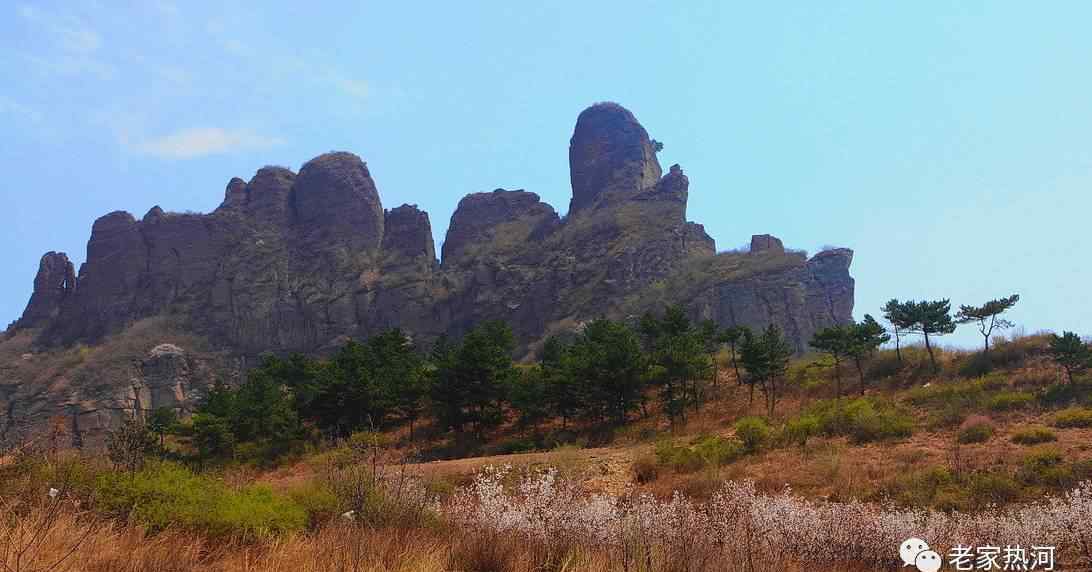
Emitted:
pixel 305 261
pixel 975 455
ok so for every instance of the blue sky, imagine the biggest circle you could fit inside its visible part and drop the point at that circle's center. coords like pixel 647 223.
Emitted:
pixel 950 145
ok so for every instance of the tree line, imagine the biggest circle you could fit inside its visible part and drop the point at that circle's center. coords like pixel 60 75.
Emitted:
pixel 856 342
pixel 606 373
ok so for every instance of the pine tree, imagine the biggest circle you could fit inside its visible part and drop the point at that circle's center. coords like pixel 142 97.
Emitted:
pixel 898 314
pixel 864 339
pixel 607 360
pixel 733 336
pixel 472 380
pixel 528 396
pixel 766 359
pixel 563 391
pixel 988 317
pixel 834 341
pixel 711 338
pixel 678 363
pixel 1071 353
pixel 931 318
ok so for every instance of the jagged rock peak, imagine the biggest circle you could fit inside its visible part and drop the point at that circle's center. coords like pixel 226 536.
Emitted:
pixel 610 156
pixel 407 231
pixel 266 195
pixel 55 281
pixel 235 193
pixel 837 257
pixel 270 176
pixel 675 186
pixel 766 242
pixel 153 214
pixel 334 194
pixel 112 221
pixel 111 234
pixel 479 214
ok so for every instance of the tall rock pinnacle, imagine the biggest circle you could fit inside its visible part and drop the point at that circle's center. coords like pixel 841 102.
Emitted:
pixel 56 279
pixel 610 156
pixel 335 198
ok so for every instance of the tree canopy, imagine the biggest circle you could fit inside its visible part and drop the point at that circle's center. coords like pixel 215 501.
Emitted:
pixel 931 318
pixel 1071 353
pixel 987 316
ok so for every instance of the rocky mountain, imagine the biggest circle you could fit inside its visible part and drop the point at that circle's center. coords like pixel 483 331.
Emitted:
pixel 303 261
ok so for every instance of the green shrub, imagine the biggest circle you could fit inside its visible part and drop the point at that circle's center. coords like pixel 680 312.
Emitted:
pixel 978 432
pixel 969 394
pixel 1010 400
pixel 885 364
pixel 798 430
pixel 993 488
pixel 939 488
pixel 949 403
pixel 1072 417
pixel 1046 466
pixel 952 498
pixel 681 459
pixel 753 433
pixel 165 494
pixel 975 365
pixel 919 488
pixel 862 419
pixel 317 500
pixel 26 474
pixel 947 416
pixel 1034 379
pixel 717 451
pixel 1034 436
pixel 1082 470
pixel 1061 394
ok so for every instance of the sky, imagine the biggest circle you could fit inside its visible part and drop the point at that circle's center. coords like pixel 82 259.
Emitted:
pixel 948 144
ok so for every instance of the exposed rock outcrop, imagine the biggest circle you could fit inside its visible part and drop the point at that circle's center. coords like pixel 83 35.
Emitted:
pixel 302 262
pixel 610 157
pixel 80 405
pixel 490 222
pixel 55 281
pixel 766 242
pixel 336 203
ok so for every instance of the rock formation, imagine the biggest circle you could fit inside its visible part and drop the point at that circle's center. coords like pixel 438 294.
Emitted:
pixel 55 281
pixel 301 262
pixel 81 406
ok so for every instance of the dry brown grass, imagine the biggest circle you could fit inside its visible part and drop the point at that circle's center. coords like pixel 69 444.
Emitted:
pixel 78 542
pixel 98 545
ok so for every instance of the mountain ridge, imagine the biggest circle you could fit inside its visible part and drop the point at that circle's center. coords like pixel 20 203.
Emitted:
pixel 305 261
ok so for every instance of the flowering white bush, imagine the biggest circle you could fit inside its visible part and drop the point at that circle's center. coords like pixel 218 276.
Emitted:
pixel 742 529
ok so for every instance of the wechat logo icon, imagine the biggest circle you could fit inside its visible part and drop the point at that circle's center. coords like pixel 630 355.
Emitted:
pixel 915 552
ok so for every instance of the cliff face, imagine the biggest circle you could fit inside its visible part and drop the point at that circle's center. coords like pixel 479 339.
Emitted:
pixel 301 262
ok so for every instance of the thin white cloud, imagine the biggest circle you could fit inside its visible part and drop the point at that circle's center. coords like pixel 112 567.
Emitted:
pixel 201 141
pixel 75 44
pixel 71 34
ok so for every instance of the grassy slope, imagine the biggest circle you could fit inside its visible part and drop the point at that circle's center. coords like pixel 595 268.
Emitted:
pixel 833 468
